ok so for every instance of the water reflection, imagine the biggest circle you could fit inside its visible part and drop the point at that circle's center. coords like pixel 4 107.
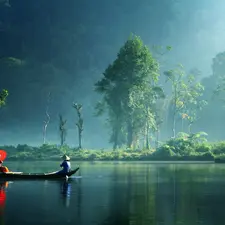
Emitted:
pixel 159 196
pixel 66 192
pixel 71 196
pixel 123 194
pixel 3 186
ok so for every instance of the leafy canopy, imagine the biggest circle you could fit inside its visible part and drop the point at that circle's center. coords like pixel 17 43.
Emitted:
pixel 128 88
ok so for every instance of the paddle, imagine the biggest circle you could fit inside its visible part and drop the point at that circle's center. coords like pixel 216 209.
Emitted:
pixel 3 155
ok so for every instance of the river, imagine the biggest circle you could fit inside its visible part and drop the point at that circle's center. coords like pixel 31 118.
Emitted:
pixel 120 193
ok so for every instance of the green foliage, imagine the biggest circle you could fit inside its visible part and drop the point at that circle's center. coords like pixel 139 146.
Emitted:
pixel 217 81
pixel 186 97
pixel 218 148
pixel 203 148
pixel 194 138
pixel 165 151
pixel 218 65
pixel 3 95
pixel 50 149
pixel 24 148
pixel 160 50
pixel 178 89
pixel 192 100
pixel 185 144
pixel 128 89
pixel 219 90
pixel 185 147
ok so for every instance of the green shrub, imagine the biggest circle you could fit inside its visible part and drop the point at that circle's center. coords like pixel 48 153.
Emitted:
pixel 218 148
pixel 181 148
pixel 24 148
pixel 203 148
pixel 186 144
pixel 208 155
pixel 23 155
pixel 165 151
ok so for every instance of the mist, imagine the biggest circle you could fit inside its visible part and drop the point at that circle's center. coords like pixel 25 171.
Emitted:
pixel 64 48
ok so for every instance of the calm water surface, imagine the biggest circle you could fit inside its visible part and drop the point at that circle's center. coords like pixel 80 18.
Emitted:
pixel 118 194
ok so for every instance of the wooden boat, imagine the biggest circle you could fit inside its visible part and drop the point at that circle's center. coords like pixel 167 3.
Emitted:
pixel 44 176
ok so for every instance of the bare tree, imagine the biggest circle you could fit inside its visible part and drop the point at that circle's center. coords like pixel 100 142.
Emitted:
pixel 47 118
pixel 62 130
pixel 79 124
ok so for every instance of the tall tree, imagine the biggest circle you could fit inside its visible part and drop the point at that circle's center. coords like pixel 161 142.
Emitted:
pixel 145 112
pixel 80 123
pixel 158 109
pixel 218 66
pixel 175 77
pixel 62 130
pixel 186 100
pixel 123 87
pixel 193 102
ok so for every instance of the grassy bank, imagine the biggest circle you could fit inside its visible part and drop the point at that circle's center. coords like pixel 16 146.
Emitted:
pixel 171 151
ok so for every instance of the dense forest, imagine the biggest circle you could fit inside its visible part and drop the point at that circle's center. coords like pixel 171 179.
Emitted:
pixel 52 58
pixel 137 107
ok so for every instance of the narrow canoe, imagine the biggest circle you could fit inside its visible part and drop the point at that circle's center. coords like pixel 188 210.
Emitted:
pixel 21 175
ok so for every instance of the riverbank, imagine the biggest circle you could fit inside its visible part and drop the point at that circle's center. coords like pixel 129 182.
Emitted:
pixel 128 157
pixel 201 152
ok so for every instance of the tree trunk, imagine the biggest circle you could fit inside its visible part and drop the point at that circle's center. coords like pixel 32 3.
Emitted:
pixel 189 128
pixel 44 133
pixel 182 125
pixel 136 142
pixel 157 138
pixel 62 130
pixel 61 137
pixel 46 122
pixel 147 137
pixel 115 137
pixel 79 124
pixel 80 138
pixel 174 125
pixel 116 129
pixel 129 134
pixel 114 146
pixel 174 112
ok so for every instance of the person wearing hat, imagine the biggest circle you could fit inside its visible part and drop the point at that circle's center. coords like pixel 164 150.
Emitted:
pixel 3 169
pixel 65 165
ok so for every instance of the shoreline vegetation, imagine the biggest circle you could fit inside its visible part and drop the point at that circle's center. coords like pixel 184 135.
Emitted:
pixel 137 110
pixel 183 148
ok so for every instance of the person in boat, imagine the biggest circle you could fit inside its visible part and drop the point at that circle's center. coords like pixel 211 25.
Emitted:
pixel 65 165
pixel 3 169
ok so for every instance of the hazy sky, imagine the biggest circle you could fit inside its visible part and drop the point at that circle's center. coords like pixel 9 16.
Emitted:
pixel 199 34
